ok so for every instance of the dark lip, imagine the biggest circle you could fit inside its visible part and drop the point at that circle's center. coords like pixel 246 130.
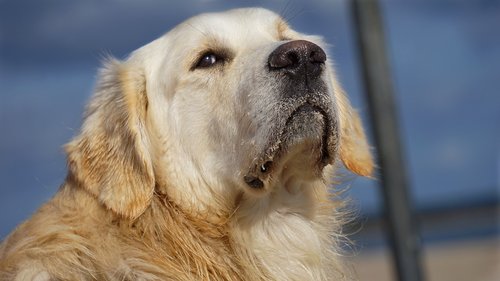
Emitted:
pixel 263 167
pixel 306 107
pixel 327 130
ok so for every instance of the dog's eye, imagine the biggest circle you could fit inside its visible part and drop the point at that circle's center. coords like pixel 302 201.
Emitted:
pixel 208 60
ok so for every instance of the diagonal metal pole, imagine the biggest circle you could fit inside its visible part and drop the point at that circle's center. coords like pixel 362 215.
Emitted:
pixel 404 238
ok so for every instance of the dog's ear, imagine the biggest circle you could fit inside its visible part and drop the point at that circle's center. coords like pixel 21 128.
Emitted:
pixel 110 157
pixel 354 149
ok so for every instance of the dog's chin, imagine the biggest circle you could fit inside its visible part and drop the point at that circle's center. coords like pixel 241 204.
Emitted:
pixel 305 145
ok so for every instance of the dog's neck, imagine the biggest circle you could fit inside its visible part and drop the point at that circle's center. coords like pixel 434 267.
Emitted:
pixel 275 237
pixel 280 236
pixel 289 235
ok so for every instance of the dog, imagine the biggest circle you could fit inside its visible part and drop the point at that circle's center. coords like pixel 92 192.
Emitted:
pixel 208 154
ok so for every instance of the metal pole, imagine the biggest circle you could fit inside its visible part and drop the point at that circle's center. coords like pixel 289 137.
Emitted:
pixel 404 238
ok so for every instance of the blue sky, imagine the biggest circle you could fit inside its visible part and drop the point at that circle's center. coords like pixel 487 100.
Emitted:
pixel 445 58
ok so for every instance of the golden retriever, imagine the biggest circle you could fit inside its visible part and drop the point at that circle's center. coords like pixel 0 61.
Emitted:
pixel 207 154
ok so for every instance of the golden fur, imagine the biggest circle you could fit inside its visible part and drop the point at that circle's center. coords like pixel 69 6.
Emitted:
pixel 154 188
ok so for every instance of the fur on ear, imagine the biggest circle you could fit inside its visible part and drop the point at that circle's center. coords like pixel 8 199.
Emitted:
pixel 354 149
pixel 110 158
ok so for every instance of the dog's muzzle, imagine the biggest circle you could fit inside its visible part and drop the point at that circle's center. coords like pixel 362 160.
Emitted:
pixel 305 112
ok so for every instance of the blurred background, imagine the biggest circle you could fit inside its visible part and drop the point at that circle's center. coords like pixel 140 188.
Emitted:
pixel 445 61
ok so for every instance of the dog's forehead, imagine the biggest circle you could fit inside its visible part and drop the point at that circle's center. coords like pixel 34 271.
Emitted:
pixel 235 31
pixel 238 25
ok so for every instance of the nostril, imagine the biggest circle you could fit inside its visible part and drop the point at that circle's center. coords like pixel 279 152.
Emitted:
pixel 293 58
pixel 317 56
pixel 284 59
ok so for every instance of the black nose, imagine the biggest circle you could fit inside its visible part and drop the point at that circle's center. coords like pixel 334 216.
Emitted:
pixel 298 59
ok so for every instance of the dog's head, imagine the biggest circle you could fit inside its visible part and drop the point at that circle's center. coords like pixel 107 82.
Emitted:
pixel 222 104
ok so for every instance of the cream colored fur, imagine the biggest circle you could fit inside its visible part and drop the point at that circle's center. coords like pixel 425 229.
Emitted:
pixel 154 189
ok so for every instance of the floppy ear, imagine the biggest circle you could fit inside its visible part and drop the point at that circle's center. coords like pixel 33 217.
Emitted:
pixel 354 149
pixel 110 157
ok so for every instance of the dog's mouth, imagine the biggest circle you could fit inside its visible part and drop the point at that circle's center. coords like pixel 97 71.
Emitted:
pixel 308 135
